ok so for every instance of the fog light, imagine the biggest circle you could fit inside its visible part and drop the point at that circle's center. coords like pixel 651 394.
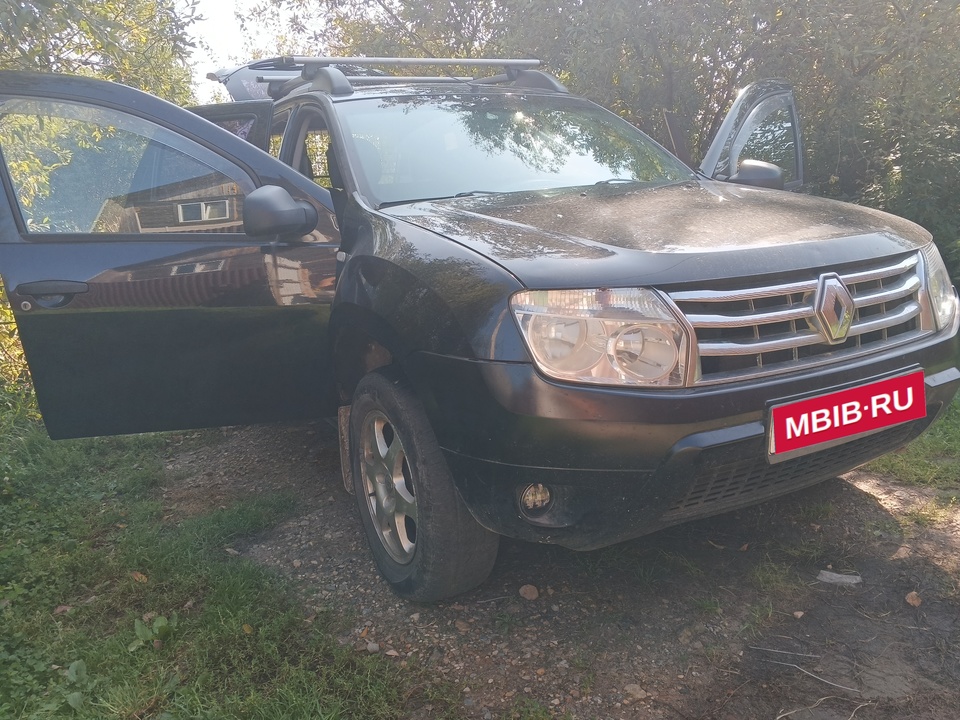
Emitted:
pixel 535 499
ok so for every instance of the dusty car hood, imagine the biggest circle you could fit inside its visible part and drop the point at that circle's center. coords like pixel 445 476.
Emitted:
pixel 613 234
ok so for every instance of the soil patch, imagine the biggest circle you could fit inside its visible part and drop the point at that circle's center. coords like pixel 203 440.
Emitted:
pixel 722 618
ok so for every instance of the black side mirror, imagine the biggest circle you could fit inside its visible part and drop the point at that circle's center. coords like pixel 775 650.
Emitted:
pixel 758 174
pixel 271 210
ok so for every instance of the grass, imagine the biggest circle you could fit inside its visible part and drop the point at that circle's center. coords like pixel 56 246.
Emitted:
pixel 933 460
pixel 682 563
pixel 532 710
pixel 816 512
pixel 807 550
pixel 506 622
pixel 707 606
pixel 108 612
pixel 773 577
pixel 929 514
pixel 758 616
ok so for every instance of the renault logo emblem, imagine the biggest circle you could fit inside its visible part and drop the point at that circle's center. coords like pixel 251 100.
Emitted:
pixel 834 308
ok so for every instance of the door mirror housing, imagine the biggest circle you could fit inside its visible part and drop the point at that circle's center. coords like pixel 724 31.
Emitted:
pixel 758 174
pixel 271 210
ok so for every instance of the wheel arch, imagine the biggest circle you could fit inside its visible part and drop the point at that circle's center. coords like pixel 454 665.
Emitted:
pixel 361 342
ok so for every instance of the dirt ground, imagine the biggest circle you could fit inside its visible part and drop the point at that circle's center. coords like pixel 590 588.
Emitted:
pixel 722 618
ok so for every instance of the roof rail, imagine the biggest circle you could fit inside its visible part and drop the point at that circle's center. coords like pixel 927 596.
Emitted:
pixel 278 77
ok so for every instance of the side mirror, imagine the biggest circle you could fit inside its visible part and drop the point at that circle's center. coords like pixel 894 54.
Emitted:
pixel 271 210
pixel 758 174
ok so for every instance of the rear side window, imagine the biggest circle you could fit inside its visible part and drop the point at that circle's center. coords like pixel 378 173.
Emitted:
pixel 76 168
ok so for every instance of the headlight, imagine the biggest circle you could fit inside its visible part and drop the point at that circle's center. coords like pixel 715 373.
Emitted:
pixel 943 299
pixel 607 337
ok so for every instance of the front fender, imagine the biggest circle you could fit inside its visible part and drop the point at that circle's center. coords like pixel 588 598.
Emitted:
pixel 417 291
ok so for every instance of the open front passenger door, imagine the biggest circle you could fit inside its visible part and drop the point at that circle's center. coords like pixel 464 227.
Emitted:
pixel 762 127
pixel 142 303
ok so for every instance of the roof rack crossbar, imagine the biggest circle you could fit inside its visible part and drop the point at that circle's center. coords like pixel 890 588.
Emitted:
pixel 401 79
pixel 338 75
pixel 408 61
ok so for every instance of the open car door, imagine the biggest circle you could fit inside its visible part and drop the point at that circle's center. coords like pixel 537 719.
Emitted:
pixel 761 127
pixel 249 120
pixel 141 302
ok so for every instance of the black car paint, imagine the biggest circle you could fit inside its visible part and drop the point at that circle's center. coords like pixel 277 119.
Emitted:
pixel 431 284
pixel 95 362
pixel 613 236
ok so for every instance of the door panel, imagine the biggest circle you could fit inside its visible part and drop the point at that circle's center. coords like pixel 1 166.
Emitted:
pixel 762 125
pixel 140 302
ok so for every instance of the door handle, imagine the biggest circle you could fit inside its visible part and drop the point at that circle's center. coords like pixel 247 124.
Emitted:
pixel 50 294
pixel 51 287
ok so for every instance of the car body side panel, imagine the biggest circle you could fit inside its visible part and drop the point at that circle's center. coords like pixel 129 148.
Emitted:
pixel 434 295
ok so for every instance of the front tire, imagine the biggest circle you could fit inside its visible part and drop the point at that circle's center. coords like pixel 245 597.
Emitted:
pixel 424 541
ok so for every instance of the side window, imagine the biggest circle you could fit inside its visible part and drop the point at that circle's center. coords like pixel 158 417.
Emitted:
pixel 769 137
pixel 310 153
pixel 277 129
pixel 77 168
pixel 241 127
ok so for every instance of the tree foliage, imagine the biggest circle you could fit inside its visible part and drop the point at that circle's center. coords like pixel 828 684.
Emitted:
pixel 877 80
pixel 143 43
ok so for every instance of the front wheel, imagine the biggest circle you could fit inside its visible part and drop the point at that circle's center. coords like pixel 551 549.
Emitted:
pixel 425 542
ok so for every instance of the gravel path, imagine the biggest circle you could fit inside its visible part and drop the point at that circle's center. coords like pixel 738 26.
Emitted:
pixel 681 624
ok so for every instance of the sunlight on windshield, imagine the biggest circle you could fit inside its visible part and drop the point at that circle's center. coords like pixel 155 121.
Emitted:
pixel 437 147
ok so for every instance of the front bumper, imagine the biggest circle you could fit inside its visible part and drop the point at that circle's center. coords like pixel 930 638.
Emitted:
pixel 622 463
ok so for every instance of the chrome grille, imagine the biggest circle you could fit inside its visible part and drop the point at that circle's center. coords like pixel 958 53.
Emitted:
pixel 754 331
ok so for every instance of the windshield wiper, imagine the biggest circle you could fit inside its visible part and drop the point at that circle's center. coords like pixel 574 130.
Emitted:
pixel 616 181
pixel 411 201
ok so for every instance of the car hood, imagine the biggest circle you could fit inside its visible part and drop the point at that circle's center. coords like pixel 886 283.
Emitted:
pixel 617 234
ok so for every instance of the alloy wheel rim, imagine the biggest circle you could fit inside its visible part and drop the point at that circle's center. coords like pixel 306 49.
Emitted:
pixel 388 487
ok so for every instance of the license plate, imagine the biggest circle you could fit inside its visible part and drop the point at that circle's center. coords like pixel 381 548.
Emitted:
pixel 841 415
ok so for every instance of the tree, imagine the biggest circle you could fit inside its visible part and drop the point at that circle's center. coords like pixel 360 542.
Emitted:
pixel 143 43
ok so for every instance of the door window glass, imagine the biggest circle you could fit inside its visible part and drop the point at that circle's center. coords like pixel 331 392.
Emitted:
pixel 277 129
pixel 81 169
pixel 310 154
pixel 769 136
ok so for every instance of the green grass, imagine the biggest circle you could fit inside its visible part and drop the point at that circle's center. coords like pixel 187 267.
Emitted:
pixel 682 563
pixel 929 514
pixel 707 606
pixel 90 578
pixel 932 460
pixel 528 709
pixel 807 550
pixel 758 616
pixel 815 512
pixel 773 577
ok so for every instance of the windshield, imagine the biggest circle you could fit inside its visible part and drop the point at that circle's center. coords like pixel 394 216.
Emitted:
pixel 415 148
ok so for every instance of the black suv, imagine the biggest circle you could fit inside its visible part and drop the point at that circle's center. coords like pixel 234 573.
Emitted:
pixel 530 319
